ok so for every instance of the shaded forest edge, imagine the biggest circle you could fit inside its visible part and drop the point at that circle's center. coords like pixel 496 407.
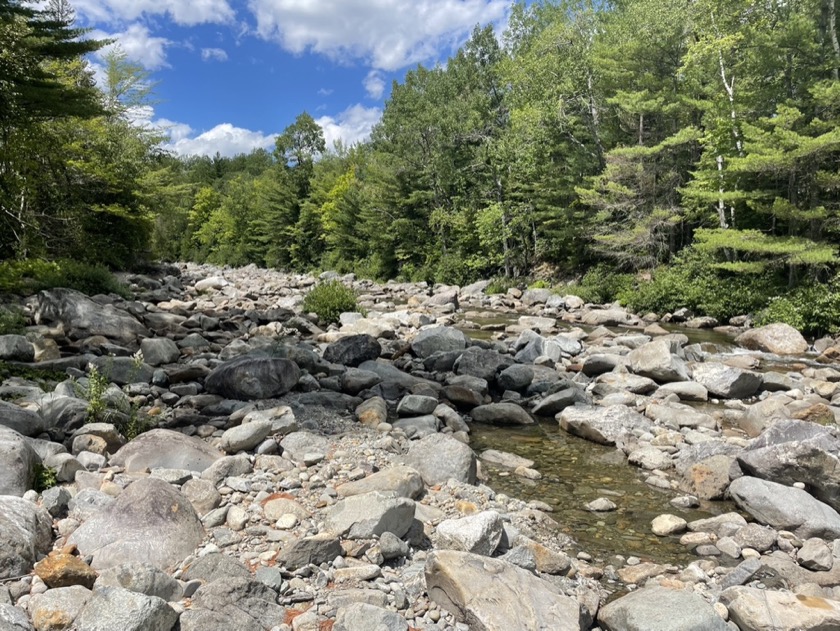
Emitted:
pixel 666 154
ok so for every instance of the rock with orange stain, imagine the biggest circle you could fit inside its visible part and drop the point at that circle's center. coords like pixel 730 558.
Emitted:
pixel 57 609
pixel 60 569
pixel 762 610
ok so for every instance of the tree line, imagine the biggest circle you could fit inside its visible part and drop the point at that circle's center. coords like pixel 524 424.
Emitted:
pixel 632 135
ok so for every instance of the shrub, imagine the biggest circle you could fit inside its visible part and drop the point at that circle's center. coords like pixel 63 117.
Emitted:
pixel 814 309
pixel 329 300
pixel 11 321
pixel 540 284
pixel 499 285
pixel 45 478
pixel 602 284
pixel 31 275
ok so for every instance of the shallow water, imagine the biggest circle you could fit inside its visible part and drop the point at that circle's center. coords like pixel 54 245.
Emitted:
pixel 576 472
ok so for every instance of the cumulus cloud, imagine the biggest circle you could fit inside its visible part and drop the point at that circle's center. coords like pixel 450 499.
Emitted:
pixel 374 84
pixel 138 44
pixel 351 126
pixel 183 12
pixel 215 54
pixel 387 34
pixel 225 138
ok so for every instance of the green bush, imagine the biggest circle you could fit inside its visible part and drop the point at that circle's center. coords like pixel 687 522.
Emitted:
pixel 602 284
pixel 329 300
pixel 499 285
pixel 11 321
pixel 45 478
pixel 540 284
pixel 814 309
pixel 30 275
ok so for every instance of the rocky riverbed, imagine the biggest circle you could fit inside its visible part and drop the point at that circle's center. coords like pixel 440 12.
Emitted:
pixel 286 476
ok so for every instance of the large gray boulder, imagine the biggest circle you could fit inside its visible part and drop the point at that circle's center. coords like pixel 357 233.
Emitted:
pixel 353 350
pixel 21 420
pixel 17 473
pixel 604 425
pixel 25 533
pixel 123 370
pixel 504 413
pixel 253 378
pixel 13 619
pixel 785 508
pixel 560 400
pixel 479 533
pixel 150 521
pixel 493 595
pixel 661 609
pixel 725 381
pixel 404 481
pixel 797 451
pixel 606 317
pixel 16 348
pixel 112 608
pixel 439 457
pixel 778 338
pixel 370 514
pixel 233 603
pixel 365 617
pixel 482 363
pixel 159 350
pixel 81 317
pixel 58 608
pixel 655 361
pixel 321 548
pixel 166 449
pixel 755 609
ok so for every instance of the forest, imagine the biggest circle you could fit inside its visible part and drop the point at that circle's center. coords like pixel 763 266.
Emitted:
pixel 665 153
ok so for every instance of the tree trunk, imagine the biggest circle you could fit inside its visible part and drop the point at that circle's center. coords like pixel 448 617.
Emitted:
pixel 832 31
pixel 721 205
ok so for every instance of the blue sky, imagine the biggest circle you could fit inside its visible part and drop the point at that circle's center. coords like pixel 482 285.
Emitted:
pixel 233 73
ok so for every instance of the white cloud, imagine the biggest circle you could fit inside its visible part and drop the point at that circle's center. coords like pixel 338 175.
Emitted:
pixel 216 54
pixel 351 126
pixel 388 34
pixel 184 12
pixel 138 44
pixel 374 84
pixel 226 139
pixel 325 91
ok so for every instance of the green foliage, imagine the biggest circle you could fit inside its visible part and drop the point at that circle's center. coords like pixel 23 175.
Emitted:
pixel 499 285
pixel 602 284
pixel 31 275
pixel 540 284
pixel 97 384
pixel 45 478
pixel 814 308
pixel 328 300
pixel 44 377
pixel 11 321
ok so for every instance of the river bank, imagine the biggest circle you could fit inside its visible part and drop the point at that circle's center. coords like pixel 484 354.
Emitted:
pixel 325 476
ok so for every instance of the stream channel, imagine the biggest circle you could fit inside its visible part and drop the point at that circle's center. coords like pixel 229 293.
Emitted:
pixel 576 471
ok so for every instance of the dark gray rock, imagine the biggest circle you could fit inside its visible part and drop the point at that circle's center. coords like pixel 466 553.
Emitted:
pixel 17 473
pixel 482 363
pixel 462 397
pixel 25 533
pixel 516 377
pixel 502 414
pixel 353 350
pixel 159 350
pixel 124 370
pixel 22 421
pixel 559 401
pixel 250 378
pixel 166 449
pixel 317 549
pixel 416 405
pixel 239 603
pixel 150 521
pixel 440 339
pixel 370 514
pixel 16 348
pixel 354 380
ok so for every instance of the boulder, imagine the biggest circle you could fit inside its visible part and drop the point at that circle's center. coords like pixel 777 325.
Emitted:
pixel 370 514
pixel 372 412
pixel 516 377
pixel 602 425
pixel 13 619
pixel 245 437
pixel 253 378
pixel 438 339
pixel 364 617
pixel 353 350
pixel 725 381
pixel 25 533
pixel 660 609
pixel 403 481
pixel 606 317
pixel 559 401
pixel 17 473
pixel 482 363
pixel 439 457
pixel 321 548
pixel 778 338
pixel 501 414
pixel 60 569
pixel 755 609
pixel 298 445
pixel 655 361
pixel 21 420
pixel 16 348
pixel 416 405
pixel 234 603
pixel 167 449
pixel 785 507
pixel 685 390
pixel 57 608
pixel 159 350
pixel 479 533
pixel 81 317
pixel 493 595
pixel 150 521
pixel 142 578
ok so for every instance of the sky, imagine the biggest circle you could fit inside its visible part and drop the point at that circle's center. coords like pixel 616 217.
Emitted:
pixel 231 74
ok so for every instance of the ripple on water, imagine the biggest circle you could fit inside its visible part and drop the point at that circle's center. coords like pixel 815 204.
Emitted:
pixel 575 472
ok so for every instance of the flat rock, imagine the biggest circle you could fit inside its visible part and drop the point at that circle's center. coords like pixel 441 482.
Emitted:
pixel 603 425
pixel 112 608
pixel 660 609
pixel 505 459
pixel 370 514
pixel 25 533
pixel 401 480
pixel 725 381
pixel 150 521
pixel 167 449
pixel 501 414
pixel 317 549
pixel 493 595
pixel 785 507
pixel 245 437
pixel 765 610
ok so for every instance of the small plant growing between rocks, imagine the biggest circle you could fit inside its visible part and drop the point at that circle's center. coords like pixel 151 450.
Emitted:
pixel 95 394
pixel 45 478
pixel 12 321
pixel 329 300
